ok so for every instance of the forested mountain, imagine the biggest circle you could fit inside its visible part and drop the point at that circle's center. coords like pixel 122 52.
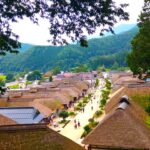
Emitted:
pixel 108 51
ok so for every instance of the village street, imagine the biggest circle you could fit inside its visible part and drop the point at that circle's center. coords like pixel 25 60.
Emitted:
pixel 83 117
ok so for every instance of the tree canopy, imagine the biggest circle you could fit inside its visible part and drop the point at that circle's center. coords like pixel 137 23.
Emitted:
pixel 66 18
pixel 35 75
pixel 139 59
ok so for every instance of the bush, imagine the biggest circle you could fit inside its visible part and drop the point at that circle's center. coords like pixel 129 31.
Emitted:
pixel 64 114
pixel 103 102
pixel 84 134
pixel 98 113
pixel 93 124
pixel 87 128
pixel 89 95
pixel 80 104
pixel 77 108
pixel 72 113
pixel 147 109
pixel 91 120
pixel 28 82
pixel 62 121
pixel 85 101
pixel 16 86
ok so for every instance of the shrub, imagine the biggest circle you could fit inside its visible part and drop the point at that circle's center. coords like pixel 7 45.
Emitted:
pixel 72 113
pixel 89 95
pixel 98 113
pixel 103 102
pixel 62 121
pixel 64 114
pixel 147 109
pixel 16 86
pixel 84 134
pixel 77 108
pixel 87 128
pixel 80 104
pixel 91 120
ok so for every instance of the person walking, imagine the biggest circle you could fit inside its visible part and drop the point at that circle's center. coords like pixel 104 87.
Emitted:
pixel 78 124
pixel 91 107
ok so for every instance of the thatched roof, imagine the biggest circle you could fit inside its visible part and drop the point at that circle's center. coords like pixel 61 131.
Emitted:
pixel 41 108
pixel 120 129
pixel 6 121
pixel 50 103
pixel 37 137
pixel 48 74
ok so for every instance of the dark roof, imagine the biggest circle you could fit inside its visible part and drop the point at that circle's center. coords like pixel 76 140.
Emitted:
pixel 38 137
pixel 120 129
pixel 22 115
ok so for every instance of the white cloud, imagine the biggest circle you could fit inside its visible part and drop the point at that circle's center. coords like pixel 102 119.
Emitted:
pixel 38 35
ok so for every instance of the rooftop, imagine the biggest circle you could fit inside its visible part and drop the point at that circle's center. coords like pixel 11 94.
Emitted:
pixel 22 115
pixel 120 129
pixel 38 137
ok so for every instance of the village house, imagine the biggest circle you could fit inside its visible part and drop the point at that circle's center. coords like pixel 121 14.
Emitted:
pixel 48 98
pixel 122 127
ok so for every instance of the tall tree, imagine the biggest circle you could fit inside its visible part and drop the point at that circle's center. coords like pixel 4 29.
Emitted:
pixel 66 17
pixel 139 59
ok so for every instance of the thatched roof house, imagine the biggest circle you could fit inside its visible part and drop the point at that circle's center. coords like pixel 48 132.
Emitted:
pixel 120 129
pixel 37 137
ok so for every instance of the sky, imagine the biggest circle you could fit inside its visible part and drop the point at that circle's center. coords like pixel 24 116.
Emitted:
pixel 39 34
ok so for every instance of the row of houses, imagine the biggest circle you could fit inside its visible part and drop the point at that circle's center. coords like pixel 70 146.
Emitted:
pixel 43 101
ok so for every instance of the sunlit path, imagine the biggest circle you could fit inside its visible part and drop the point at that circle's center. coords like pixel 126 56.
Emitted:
pixel 75 134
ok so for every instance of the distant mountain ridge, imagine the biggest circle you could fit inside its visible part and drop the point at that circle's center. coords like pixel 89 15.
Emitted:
pixel 108 51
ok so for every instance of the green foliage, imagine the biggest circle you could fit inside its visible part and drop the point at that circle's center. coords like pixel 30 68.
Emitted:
pixel 72 113
pixel 101 52
pixel 97 82
pixel 105 93
pixel 10 77
pixel 85 100
pixel 64 114
pixel 16 86
pixel 87 128
pixel 147 121
pixel 2 80
pixel 98 113
pixel 50 79
pixel 143 100
pixel 91 120
pixel 139 59
pixel 28 82
pixel 147 109
pixel 56 70
pixel 107 84
pixel 35 75
pixel 81 68
pixel 66 18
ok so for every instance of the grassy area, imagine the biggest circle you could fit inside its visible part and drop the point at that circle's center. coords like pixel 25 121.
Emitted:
pixel 28 82
pixel 16 86
pixel 147 121
pixel 142 100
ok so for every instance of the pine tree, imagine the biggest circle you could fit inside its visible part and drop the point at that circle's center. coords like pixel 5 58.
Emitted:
pixel 139 58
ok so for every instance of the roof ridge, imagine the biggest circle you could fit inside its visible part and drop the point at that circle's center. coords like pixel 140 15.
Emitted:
pixel 23 127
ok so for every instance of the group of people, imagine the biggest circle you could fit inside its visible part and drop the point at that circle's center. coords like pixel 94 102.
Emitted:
pixel 76 124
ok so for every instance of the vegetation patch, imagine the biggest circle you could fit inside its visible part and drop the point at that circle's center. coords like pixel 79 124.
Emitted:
pixel 142 100
pixel 16 86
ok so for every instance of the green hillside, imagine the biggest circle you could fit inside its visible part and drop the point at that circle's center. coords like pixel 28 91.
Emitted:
pixel 108 51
